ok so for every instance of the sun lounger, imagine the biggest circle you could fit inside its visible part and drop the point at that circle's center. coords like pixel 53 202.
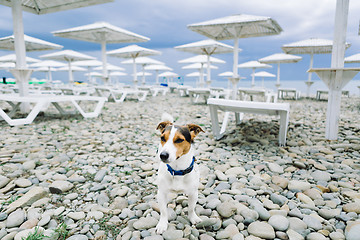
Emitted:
pixel 288 93
pixel 257 94
pixel 277 109
pixel 154 90
pixel 41 102
pixel 326 92
pixel 119 95
pixel 198 93
pixel 183 90
pixel 220 92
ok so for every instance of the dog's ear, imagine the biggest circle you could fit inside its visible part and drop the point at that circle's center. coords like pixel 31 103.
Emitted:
pixel 194 130
pixel 163 125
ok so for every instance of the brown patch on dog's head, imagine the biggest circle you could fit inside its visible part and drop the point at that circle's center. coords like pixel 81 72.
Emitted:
pixel 181 142
pixel 161 127
pixel 194 130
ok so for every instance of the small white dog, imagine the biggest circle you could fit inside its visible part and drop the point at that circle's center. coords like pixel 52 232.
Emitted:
pixel 178 171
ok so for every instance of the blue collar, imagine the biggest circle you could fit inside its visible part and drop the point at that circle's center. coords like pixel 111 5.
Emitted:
pixel 181 172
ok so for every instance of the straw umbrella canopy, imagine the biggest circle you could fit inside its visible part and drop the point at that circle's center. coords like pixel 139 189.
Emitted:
pixel 207 47
pixel 21 72
pixel 253 65
pixel 101 32
pixel 157 68
pixel 143 61
pixel 202 59
pixel 235 27
pixel 278 58
pixel 68 56
pixel 133 52
pixel 263 75
pixel 31 44
pixel 49 65
pixel 310 46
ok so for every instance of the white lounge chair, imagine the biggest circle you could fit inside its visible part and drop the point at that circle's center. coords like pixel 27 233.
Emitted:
pixel 321 92
pixel 257 94
pixel 280 109
pixel 197 93
pixel 41 102
pixel 288 93
pixel 119 95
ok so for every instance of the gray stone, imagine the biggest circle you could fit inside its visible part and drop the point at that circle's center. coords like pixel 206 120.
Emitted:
pixel 261 230
pixel 298 185
pixel 276 168
pixel 15 218
pixel 44 220
pixel 321 176
pixel 228 232
pixel 3 216
pixel 226 209
pixel 99 176
pixel 279 222
pixel 312 222
pixel 3 181
pixel 172 234
pixel 64 186
pixel 352 232
pixel 213 203
pixel 315 236
pixel 78 237
pixel 30 197
pixel 145 223
pixel 337 236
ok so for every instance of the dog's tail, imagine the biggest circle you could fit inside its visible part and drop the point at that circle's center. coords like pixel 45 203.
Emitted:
pixel 167 117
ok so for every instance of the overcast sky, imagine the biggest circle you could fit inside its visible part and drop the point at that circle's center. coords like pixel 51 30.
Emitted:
pixel 164 22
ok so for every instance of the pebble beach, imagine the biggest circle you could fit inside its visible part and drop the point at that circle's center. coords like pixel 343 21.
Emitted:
pixel 79 179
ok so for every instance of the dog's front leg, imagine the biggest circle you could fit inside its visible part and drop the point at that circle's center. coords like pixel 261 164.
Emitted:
pixel 163 201
pixel 193 197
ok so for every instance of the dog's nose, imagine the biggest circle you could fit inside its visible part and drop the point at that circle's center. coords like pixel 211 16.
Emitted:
pixel 164 156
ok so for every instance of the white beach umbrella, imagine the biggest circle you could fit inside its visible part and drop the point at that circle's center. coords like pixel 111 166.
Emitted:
pixel 199 66
pixel 110 67
pixel 117 73
pixel 202 59
pixel 207 47
pixel 310 46
pixel 69 56
pixel 12 58
pixel 73 69
pixel 31 44
pixel 93 74
pixel 353 58
pixel 133 52
pixel 143 61
pixel 168 75
pixel 50 65
pixel 226 74
pixel 194 74
pixel 48 70
pixel 253 65
pixel 89 64
pixel 157 68
pixel 101 32
pixel 7 65
pixel 263 75
pixel 143 74
pixel 235 27
pixel 21 73
pixel 278 58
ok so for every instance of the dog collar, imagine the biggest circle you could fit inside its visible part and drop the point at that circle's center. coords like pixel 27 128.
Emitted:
pixel 181 172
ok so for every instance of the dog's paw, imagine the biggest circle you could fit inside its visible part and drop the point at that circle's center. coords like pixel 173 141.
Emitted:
pixel 161 227
pixel 194 219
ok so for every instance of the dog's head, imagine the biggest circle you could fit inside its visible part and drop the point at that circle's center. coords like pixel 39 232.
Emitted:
pixel 176 140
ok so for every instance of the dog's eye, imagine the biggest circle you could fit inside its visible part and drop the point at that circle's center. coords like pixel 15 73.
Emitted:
pixel 179 140
pixel 162 138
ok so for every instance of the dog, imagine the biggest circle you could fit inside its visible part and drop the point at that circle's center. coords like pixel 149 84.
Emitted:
pixel 177 171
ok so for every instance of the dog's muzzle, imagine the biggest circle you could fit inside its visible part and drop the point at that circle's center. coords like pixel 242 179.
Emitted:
pixel 164 156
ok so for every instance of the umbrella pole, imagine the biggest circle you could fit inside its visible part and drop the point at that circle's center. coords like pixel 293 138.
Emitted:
pixel 262 82
pixel 235 78
pixel 134 71
pixel 309 82
pixel 143 74
pixel 208 77
pixel 337 61
pixel 157 77
pixel 104 60
pixel 21 74
pixel 49 75
pixel 278 76
pixel 71 79
pixel 202 75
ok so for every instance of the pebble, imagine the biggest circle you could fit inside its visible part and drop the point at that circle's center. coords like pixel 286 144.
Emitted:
pixel 312 222
pixel 172 234
pixel 261 230
pixel 22 183
pixel 298 185
pixel 145 223
pixel 15 218
pixel 63 186
pixel 279 222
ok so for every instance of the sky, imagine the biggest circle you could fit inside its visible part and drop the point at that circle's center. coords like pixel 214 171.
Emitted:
pixel 164 22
